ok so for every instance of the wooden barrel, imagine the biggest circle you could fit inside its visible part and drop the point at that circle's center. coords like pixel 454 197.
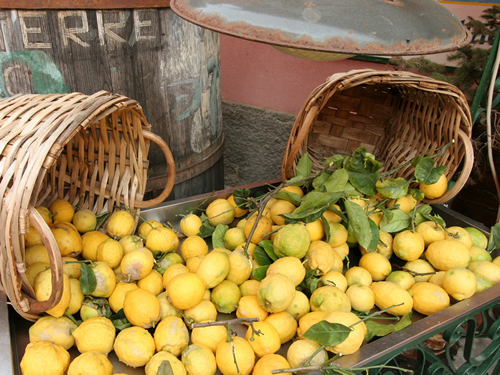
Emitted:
pixel 136 48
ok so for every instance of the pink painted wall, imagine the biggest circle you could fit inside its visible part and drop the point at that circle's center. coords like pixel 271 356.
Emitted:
pixel 256 74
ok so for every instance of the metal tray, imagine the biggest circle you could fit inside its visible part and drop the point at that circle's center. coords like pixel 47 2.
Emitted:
pixel 378 352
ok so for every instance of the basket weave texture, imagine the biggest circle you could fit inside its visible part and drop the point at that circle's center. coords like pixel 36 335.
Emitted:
pixel 395 115
pixel 90 150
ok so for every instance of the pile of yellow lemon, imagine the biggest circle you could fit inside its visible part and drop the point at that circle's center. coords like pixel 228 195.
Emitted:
pixel 162 296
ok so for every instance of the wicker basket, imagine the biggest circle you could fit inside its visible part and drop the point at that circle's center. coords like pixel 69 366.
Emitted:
pixel 395 115
pixel 87 149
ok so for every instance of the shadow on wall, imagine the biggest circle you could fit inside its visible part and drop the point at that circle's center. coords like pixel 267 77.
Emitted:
pixel 255 142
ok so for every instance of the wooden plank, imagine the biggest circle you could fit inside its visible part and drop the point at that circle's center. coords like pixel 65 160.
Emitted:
pixel 83 4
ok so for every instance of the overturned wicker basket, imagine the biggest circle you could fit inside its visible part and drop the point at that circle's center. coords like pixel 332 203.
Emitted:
pixel 395 115
pixel 87 149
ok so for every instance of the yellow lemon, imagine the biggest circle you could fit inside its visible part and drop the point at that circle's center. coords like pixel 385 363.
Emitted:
pixel 389 294
pixel 293 189
pixel 71 267
pixel 160 358
pixel 226 296
pixel 120 224
pixel 44 358
pixel 239 210
pixel 106 280
pixel 482 283
pixel 460 283
pixel 167 260
pixel 321 258
pixel 437 278
pixel 490 270
pixel 402 278
pixel 436 190
pixel 193 246
pixel 153 282
pixel 220 211
pixel 171 335
pixel 166 308
pixel 408 245
pixel 270 362
pixel 284 323
pixel 91 363
pixel 131 242
pixel 141 308
pixel 478 253
pixel 361 297
pixel 61 211
pixel 308 320
pixel 32 237
pixel 430 232
pixel 478 238
pixel 45 213
pixel 134 346
pixel 68 239
pixel 162 239
pixel 90 241
pixel 331 216
pixel 36 254
pixel 358 332
pixel 43 288
pixel 190 225
pixel 209 336
pixel 403 203
pixel 34 269
pixel 111 252
pixel 262 230
pixel 378 265
pixel 56 330
pixel 334 278
pixel 300 305
pixel 204 311
pixel 384 246
pixel 429 298
pixel 240 267
pixel 233 237
pixel 186 290
pixel 447 254
pixel 290 266
pixel 420 269
pixel 250 249
pixel 194 262
pixel 117 297
pixel 84 220
pixel 301 350
pixel 358 275
pixel 77 297
pixel 146 226
pixel 235 357
pixel 459 234
pixel 249 307
pixel 276 292
pixel 95 335
pixel 316 230
pixel 137 263
pixel 214 268
pixel 292 240
pixel 329 298
pixel 199 360
pixel 263 338
pixel 172 271
pixel 280 207
pixel 338 234
pixel 249 287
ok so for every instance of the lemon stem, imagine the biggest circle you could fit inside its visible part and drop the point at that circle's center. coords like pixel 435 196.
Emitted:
pixel 226 322
pixel 306 363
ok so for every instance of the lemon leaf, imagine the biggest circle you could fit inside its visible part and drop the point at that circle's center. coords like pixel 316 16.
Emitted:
pixel 494 240
pixel 397 222
pixel 358 221
pixel 336 161
pixel 327 334
pixel 261 257
pixel 268 247
pixel 426 173
pixel 363 171
pixel 218 236
pixel 337 181
pixel 88 281
pixel 304 166
pixel 319 181
pixel 260 272
pixel 289 196
pixel 375 329
pixel 393 188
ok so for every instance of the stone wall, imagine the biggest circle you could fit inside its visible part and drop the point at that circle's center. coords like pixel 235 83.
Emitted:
pixel 255 142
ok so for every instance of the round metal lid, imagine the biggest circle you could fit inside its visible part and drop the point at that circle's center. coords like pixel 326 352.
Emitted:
pixel 359 27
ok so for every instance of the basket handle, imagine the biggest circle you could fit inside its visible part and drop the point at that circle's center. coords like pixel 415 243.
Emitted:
pixel 50 243
pixel 464 174
pixel 171 172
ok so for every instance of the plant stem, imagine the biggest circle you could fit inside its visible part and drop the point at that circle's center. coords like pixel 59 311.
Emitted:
pixel 226 322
